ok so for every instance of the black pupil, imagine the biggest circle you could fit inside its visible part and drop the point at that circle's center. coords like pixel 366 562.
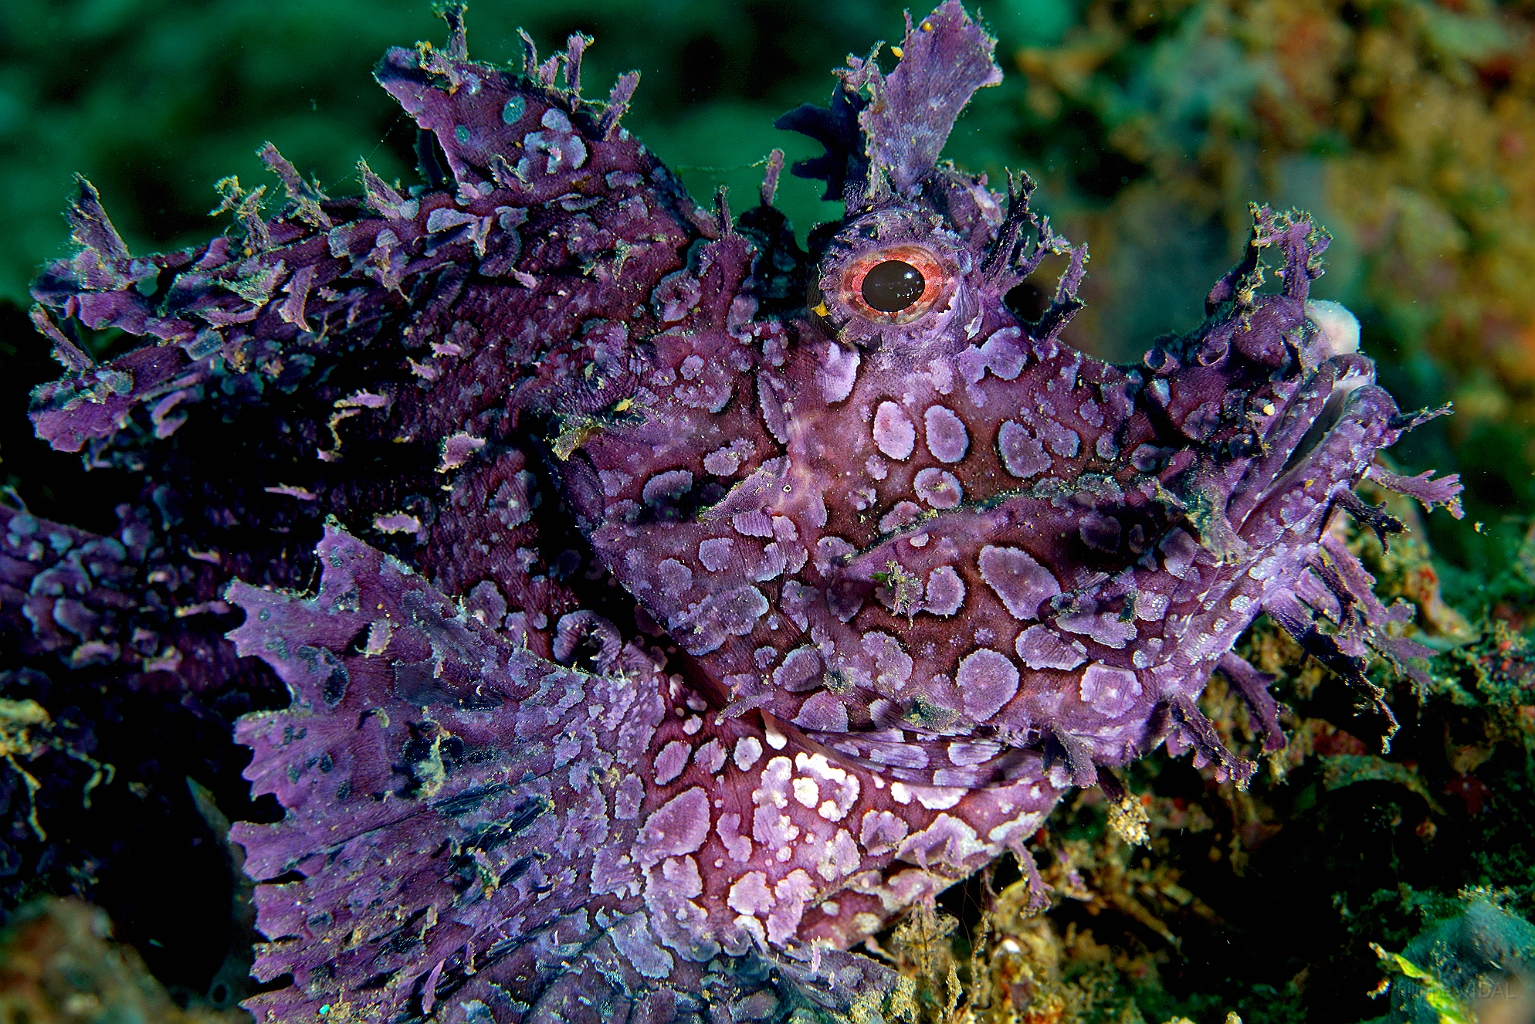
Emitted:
pixel 892 286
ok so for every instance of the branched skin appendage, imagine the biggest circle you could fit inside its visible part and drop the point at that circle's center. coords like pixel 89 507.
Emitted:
pixel 674 632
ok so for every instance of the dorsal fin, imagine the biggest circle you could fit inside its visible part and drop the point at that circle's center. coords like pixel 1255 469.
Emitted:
pixel 896 125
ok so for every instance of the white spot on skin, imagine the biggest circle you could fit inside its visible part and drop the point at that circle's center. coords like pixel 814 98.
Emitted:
pixel 800 671
pixel 739 847
pixel 666 486
pixel 1105 627
pixel 770 825
pixel 948 841
pixel 938 798
pixel 1022 454
pixel 815 512
pixel 1040 647
pixel 627 800
pixel 987 680
pixel 676 578
pixel 806 792
pixel 838 372
pixel 775 783
pixel 793 891
pixel 839 857
pixel 670 762
pixel 891 662
pixel 613 482
pixel 947 437
pixel 1151 606
pixel 903 515
pixel 796 599
pixel 714 553
pixel 945 591
pixel 747 753
pixel 881 831
pixel 938 487
pixel 1109 691
pixel 637 944
pixel 1000 354
pixel 710 757
pixel 825 712
pixel 675 828
pixel 941 375
pixel 1100 532
pixel 841 787
pixel 894 433
pixel 703 627
pixel 722 462
pixel 612 872
pixel 1062 440
pixel 970 754
pixel 755 523
pixel 775 739
pixel 900 792
pixel 750 895
pixel 1179 550
pixel 1019 828
pixel 1021 582
pixel 772 564
pixel 752 927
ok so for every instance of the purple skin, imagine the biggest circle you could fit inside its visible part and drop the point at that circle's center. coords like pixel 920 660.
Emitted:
pixel 851 596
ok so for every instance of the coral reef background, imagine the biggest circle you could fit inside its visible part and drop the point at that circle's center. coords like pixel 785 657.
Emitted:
pixel 1407 127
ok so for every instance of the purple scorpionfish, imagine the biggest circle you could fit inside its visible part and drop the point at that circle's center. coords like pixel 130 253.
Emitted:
pixel 689 606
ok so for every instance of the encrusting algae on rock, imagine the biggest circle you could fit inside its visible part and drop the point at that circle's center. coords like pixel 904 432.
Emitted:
pixel 689 606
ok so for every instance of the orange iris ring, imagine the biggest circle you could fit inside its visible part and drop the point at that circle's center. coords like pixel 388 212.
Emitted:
pixel 935 276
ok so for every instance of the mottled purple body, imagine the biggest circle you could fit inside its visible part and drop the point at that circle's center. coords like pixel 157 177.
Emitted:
pixel 677 633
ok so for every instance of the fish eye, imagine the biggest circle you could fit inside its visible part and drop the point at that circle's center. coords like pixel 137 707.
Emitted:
pixel 893 286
